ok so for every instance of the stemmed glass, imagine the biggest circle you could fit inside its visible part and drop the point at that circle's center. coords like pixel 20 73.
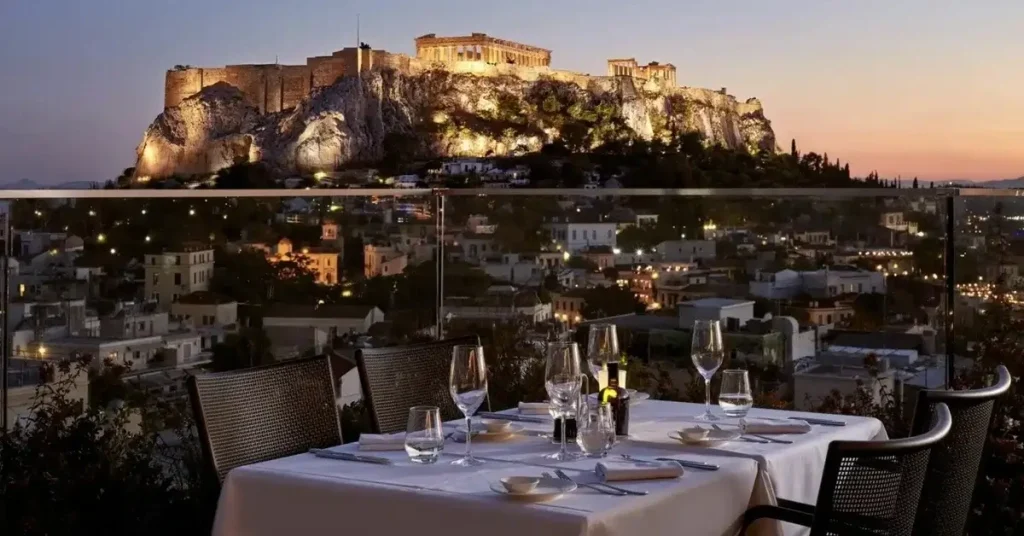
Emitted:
pixel 562 379
pixel 468 386
pixel 707 353
pixel 602 347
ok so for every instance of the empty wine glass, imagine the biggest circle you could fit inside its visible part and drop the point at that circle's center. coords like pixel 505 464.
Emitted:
pixel 707 353
pixel 602 347
pixel 468 386
pixel 562 380
pixel 424 434
pixel 734 396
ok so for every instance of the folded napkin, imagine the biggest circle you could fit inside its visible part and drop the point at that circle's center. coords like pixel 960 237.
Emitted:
pixel 534 408
pixel 610 471
pixel 762 426
pixel 381 442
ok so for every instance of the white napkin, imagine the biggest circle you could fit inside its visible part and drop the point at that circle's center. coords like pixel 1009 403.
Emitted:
pixel 615 471
pixel 381 442
pixel 762 426
pixel 534 408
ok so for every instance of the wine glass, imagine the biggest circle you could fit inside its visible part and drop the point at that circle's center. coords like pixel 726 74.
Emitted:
pixel 707 353
pixel 602 347
pixel 562 380
pixel 468 386
pixel 734 396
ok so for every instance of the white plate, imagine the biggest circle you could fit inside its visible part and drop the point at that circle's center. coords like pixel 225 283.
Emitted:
pixel 481 433
pixel 713 439
pixel 549 489
pixel 635 397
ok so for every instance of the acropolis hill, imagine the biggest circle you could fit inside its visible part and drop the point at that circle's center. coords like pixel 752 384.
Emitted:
pixel 468 95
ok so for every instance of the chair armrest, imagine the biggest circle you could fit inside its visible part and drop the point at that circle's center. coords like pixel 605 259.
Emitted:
pixel 780 513
pixel 799 506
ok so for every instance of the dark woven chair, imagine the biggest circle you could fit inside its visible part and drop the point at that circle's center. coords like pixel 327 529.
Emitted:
pixel 396 378
pixel 868 487
pixel 953 468
pixel 264 413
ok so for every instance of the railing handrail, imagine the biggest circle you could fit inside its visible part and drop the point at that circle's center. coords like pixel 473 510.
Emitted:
pixel 825 193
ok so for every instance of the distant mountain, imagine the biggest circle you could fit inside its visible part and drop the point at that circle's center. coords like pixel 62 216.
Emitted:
pixel 1005 183
pixel 26 184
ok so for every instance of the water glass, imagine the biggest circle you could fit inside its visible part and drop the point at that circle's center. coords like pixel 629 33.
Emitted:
pixel 467 383
pixel 424 434
pixel 707 353
pixel 595 430
pixel 734 397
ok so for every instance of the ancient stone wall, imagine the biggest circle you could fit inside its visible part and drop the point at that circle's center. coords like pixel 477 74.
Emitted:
pixel 325 70
pixel 295 85
pixel 181 84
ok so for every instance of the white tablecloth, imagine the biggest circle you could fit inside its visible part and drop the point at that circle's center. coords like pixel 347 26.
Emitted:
pixel 312 496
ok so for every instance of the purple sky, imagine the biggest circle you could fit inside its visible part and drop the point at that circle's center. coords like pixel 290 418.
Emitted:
pixel 912 87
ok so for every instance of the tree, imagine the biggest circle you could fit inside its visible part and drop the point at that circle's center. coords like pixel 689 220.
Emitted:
pixel 914 186
pixel 581 263
pixel 792 151
pixel 249 277
pixel 600 302
pixel 248 348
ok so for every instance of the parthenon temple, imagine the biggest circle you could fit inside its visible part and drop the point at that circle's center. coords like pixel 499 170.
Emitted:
pixel 480 47
pixel 652 71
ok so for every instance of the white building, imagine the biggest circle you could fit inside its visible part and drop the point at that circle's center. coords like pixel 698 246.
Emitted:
pixel 825 283
pixel 293 329
pixel 464 166
pixel 577 236
pixel 172 274
pixel 515 269
pixel 739 311
pixel 686 250
pixel 205 309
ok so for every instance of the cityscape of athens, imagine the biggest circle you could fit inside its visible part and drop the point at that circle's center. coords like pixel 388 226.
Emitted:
pixel 575 268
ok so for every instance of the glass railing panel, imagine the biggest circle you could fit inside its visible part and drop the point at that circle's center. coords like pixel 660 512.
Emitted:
pixel 832 300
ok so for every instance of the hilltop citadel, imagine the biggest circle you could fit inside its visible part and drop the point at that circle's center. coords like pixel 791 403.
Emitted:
pixel 273 88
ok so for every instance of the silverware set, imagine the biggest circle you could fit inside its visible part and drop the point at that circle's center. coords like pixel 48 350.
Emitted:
pixel 600 487
pixel 685 463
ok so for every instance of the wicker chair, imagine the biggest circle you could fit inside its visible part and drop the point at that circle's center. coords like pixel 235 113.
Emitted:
pixel 953 468
pixel 264 413
pixel 396 378
pixel 868 487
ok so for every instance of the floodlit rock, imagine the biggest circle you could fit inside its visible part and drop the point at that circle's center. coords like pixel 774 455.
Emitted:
pixel 386 114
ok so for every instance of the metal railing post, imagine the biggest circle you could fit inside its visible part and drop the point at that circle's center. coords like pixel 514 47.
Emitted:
pixel 439 197
pixel 950 254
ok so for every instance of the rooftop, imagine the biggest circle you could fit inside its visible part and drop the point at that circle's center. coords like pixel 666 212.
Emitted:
pixel 715 303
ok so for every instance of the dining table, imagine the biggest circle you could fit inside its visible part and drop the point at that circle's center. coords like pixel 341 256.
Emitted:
pixel 310 495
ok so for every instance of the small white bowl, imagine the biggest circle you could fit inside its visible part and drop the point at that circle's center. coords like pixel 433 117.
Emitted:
pixel 694 434
pixel 520 484
pixel 496 426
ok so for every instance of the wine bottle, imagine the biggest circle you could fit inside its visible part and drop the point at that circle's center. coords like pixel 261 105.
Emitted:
pixel 617 398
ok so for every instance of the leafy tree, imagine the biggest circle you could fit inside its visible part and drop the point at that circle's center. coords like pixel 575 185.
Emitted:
pixel 248 277
pixel 602 302
pixel 246 349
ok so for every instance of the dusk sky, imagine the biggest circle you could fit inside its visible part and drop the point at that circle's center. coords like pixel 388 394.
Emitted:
pixel 932 88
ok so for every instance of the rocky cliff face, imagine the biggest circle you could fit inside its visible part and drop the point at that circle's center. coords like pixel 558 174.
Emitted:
pixel 388 114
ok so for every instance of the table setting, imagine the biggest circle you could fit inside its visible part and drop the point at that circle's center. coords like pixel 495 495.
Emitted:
pixel 611 462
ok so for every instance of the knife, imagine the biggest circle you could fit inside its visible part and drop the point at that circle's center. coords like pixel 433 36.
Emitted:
pixel 822 422
pixel 691 464
pixel 510 417
pixel 348 456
